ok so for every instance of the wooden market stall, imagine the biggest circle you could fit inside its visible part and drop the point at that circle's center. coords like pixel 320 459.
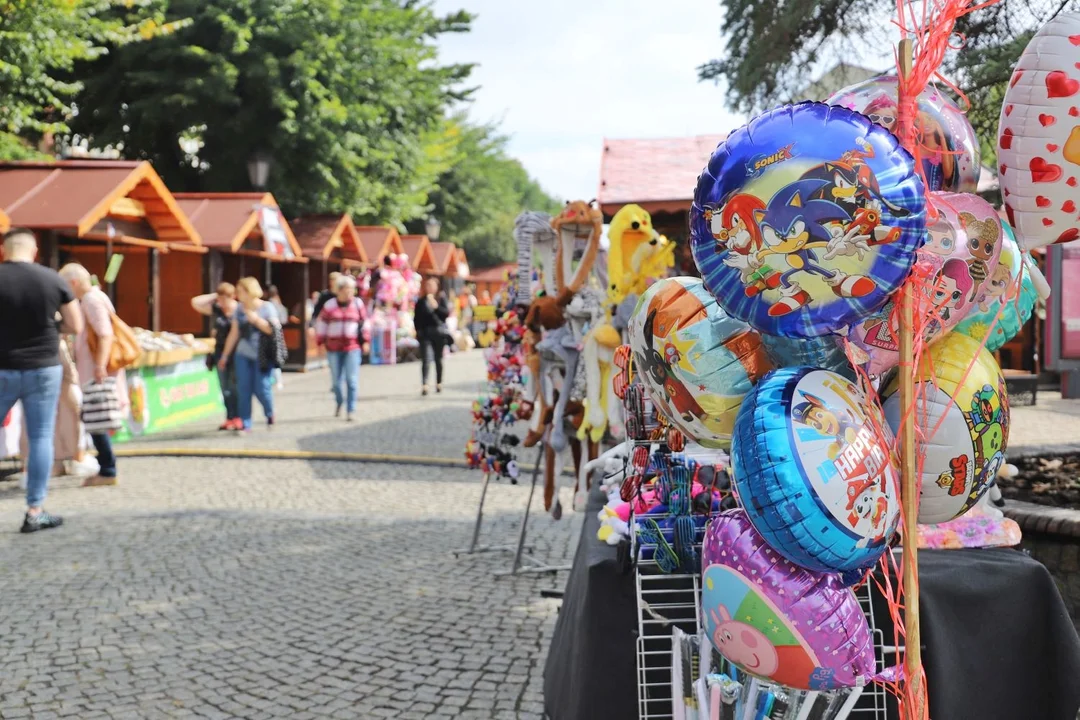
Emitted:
pixel 451 265
pixel 421 258
pixel 493 280
pixel 102 213
pixel 379 241
pixel 332 243
pixel 247 235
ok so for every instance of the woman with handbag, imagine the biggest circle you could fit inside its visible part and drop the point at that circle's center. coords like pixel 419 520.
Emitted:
pixel 254 324
pixel 104 386
pixel 429 319
pixel 220 307
pixel 342 329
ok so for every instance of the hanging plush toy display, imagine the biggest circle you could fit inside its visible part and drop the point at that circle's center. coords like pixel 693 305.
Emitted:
pixel 1039 137
pixel 815 469
pixel 696 362
pixel 806 220
pixel 963 414
pixel 1007 302
pixel 948 146
pixel 778 621
pixel 957 267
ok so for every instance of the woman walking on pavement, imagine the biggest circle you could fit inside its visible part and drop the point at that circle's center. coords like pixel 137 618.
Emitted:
pixel 92 367
pixel 220 307
pixel 342 328
pixel 252 319
pixel 429 319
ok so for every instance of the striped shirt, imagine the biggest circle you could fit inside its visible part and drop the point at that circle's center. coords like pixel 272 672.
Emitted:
pixel 340 328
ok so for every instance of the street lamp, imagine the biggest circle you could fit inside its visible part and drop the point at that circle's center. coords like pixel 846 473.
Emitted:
pixel 258 168
pixel 433 227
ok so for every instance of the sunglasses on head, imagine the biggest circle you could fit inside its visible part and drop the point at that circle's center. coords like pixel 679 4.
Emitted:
pixel 882 119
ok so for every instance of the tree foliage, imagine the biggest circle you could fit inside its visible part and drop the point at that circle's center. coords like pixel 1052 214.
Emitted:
pixel 346 96
pixel 478 197
pixel 40 42
pixel 769 46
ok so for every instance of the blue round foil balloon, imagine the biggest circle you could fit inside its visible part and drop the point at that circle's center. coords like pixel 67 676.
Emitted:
pixel 815 471
pixel 806 220
pixel 1009 298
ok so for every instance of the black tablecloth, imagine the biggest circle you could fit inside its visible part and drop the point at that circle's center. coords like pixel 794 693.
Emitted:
pixel 998 642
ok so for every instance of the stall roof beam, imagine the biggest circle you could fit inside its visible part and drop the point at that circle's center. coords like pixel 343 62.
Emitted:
pixel 74 196
pixel 5 224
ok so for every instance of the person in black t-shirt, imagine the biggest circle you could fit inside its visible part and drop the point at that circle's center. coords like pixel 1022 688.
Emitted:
pixel 429 319
pixel 220 307
pixel 30 371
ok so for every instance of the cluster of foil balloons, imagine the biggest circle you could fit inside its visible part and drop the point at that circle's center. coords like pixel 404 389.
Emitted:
pixel 805 224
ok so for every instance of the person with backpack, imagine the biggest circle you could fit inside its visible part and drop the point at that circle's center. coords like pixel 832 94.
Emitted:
pixel 255 324
pixel 343 329
pixel 104 386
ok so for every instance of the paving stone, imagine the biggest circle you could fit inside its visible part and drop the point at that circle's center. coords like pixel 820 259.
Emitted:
pixel 247 588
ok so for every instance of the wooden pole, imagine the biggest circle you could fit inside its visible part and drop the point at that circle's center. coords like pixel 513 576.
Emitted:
pixel 909 485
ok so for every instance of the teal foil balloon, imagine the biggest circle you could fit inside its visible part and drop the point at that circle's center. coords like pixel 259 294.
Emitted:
pixel 696 361
pixel 823 352
pixel 1010 297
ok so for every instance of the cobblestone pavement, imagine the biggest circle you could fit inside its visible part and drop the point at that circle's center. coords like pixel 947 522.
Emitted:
pixel 273 588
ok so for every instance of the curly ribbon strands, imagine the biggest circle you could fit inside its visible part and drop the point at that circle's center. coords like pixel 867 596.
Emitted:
pixel 927 28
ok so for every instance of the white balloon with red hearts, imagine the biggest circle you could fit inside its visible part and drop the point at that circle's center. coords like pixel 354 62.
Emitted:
pixel 1039 137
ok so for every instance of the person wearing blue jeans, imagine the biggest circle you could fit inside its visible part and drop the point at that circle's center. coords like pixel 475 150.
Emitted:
pixel 252 319
pixel 31 297
pixel 345 366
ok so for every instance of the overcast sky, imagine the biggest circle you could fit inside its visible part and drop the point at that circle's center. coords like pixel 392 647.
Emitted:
pixel 562 75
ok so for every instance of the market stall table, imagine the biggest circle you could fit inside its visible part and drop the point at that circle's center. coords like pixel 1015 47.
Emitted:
pixel 999 643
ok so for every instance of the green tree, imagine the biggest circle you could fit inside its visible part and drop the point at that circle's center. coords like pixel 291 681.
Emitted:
pixel 768 47
pixel 482 192
pixel 40 43
pixel 345 95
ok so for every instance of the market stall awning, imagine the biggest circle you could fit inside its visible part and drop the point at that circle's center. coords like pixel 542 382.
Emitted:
pixel 418 248
pixel 125 201
pixel 242 223
pixel 379 241
pixel 657 174
pixel 319 236
pixel 445 258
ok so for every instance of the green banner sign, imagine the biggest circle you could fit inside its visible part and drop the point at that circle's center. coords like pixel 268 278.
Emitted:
pixel 163 398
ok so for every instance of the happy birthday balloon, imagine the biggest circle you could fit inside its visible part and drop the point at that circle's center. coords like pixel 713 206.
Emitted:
pixel 959 262
pixel 778 621
pixel 815 470
pixel 948 145
pixel 694 360
pixel 1039 137
pixel 962 412
pixel 806 220
pixel 1008 301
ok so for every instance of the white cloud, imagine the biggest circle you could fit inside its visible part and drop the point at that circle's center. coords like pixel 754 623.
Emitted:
pixel 564 74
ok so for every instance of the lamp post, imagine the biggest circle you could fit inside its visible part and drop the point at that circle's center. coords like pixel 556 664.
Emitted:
pixel 258 167
pixel 433 227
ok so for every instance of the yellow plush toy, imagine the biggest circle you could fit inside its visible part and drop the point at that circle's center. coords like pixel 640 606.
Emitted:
pixel 636 253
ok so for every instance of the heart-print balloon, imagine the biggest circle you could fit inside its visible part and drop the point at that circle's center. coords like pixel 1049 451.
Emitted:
pixel 960 257
pixel 695 361
pixel 776 620
pixel 1039 136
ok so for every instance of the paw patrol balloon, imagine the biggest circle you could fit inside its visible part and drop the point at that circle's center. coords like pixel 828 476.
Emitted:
pixel 806 220
pixel 963 414
pixel 1007 302
pixel 778 621
pixel 815 469
pixel 694 360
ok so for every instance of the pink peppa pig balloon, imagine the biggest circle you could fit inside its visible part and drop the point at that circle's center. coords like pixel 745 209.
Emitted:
pixel 776 620
pixel 958 262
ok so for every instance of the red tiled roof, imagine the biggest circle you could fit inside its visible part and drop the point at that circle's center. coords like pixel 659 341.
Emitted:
pixel 74 196
pixel 660 172
pixel 445 254
pixel 318 235
pixel 379 241
pixel 418 248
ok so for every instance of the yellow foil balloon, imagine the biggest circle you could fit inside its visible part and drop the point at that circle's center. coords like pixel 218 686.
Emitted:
pixel 962 412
